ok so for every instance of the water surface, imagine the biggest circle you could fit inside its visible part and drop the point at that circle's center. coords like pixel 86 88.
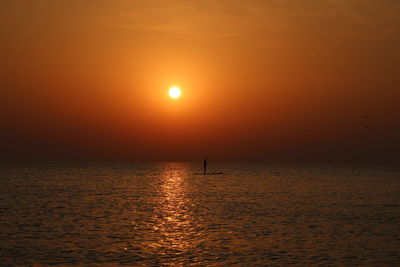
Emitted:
pixel 162 214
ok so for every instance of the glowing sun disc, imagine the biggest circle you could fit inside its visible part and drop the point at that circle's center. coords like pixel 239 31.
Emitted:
pixel 174 92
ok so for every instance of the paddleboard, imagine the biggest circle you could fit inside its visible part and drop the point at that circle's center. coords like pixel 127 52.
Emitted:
pixel 207 173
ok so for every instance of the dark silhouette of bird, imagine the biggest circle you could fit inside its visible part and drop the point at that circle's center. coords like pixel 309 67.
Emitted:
pixel 365 117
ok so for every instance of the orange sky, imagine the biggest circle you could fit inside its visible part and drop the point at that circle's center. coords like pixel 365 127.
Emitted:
pixel 277 80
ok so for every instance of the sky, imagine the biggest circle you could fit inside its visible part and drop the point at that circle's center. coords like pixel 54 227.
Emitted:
pixel 261 80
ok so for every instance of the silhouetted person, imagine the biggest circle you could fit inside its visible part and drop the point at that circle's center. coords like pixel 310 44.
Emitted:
pixel 205 165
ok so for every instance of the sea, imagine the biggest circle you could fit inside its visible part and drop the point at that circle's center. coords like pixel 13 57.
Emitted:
pixel 162 214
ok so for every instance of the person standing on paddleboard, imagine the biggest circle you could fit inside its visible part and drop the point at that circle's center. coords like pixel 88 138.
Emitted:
pixel 205 165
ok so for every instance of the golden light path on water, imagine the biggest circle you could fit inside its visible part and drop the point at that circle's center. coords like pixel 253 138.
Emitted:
pixel 174 221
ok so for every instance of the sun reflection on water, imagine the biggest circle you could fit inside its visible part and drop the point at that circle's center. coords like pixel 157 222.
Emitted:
pixel 174 221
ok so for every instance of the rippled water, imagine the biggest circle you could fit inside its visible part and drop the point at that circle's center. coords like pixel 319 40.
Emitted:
pixel 162 214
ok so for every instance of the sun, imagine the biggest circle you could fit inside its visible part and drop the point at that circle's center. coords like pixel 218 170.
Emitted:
pixel 174 92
